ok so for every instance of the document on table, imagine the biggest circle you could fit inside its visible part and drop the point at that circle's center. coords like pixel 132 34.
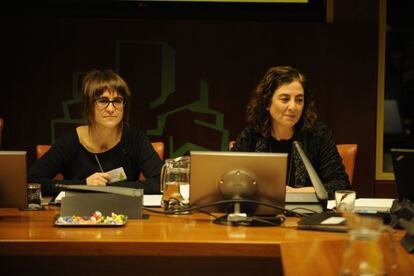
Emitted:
pixel 152 200
pixel 59 197
pixel 368 204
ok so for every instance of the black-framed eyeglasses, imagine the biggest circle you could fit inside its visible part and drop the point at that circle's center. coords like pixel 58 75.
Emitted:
pixel 103 102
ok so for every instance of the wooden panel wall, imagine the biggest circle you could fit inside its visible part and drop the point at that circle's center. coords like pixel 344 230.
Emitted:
pixel 43 55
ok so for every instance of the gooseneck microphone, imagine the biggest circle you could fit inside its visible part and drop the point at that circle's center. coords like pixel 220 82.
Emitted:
pixel 320 190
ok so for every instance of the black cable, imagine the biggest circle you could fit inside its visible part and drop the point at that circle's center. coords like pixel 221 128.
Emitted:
pixel 305 209
pixel 207 213
pixel 227 201
pixel 175 212
pixel 267 221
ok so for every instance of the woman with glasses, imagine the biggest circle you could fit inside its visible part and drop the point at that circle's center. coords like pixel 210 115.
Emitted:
pixel 105 151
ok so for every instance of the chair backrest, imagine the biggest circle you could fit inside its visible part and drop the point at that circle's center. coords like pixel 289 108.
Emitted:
pixel 347 152
pixel 42 149
pixel 231 144
pixel 158 147
pixel 1 128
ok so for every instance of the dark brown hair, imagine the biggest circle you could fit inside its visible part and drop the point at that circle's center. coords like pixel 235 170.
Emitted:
pixel 257 114
pixel 95 83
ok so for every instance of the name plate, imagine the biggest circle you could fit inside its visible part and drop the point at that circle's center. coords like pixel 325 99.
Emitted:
pixel 84 202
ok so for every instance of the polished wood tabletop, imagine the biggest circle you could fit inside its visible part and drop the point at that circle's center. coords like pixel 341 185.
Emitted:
pixel 192 231
pixel 194 236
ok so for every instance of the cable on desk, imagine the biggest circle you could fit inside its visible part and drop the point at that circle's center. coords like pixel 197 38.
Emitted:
pixel 304 209
pixel 221 202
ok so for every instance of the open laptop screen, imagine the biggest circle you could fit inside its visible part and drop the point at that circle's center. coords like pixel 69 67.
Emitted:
pixel 13 179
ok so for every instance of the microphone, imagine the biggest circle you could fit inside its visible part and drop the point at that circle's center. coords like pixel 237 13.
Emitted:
pixel 320 190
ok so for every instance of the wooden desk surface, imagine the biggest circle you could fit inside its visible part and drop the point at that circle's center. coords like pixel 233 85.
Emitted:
pixel 18 229
pixel 192 236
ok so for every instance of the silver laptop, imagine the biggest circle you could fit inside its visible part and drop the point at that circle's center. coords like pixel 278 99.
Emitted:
pixel 209 170
pixel 13 179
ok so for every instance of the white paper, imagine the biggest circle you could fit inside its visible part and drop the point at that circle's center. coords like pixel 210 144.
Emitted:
pixel 152 200
pixel 331 204
pixel 368 204
pixel 373 204
pixel 333 220
pixel 60 196
pixel 117 174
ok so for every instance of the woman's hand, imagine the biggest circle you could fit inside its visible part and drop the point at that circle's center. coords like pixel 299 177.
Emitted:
pixel 98 179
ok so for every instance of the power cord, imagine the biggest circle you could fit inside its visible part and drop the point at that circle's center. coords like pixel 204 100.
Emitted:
pixel 228 201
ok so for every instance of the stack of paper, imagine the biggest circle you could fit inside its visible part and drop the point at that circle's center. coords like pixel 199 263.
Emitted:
pixel 373 204
pixel 369 204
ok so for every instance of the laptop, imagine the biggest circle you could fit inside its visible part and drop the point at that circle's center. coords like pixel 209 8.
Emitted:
pixel 13 179
pixel 403 163
pixel 216 176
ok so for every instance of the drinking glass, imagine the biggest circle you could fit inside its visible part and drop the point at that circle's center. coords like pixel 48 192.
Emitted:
pixel 34 195
pixel 345 200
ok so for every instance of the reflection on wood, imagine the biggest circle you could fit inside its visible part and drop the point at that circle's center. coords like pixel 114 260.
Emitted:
pixel 177 245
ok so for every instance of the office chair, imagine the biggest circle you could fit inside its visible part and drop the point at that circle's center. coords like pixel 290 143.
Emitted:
pixel 231 144
pixel 347 152
pixel 42 149
pixel 1 128
pixel 158 147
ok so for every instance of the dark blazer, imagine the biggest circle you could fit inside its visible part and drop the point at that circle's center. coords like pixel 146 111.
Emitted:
pixel 320 148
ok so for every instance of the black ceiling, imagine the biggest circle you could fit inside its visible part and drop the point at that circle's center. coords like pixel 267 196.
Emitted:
pixel 313 11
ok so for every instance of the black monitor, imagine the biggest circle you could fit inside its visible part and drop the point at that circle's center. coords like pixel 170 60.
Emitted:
pixel 217 176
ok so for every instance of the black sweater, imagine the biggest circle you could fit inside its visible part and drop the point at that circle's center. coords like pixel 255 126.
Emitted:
pixel 319 147
pixel 68 157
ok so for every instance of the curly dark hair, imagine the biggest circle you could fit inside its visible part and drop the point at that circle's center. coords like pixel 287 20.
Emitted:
pixel 95 83
pixel 257 114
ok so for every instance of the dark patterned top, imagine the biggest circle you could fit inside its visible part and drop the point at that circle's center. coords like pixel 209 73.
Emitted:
pixel 67 156
pixel 318 145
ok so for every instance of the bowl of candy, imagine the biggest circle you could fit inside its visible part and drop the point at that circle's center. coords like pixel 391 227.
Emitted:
pixel 96 219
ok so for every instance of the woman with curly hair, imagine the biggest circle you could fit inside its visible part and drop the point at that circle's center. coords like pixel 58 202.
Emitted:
pixel 282 110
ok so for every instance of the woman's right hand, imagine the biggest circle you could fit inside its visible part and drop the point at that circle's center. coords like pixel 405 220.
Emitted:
pixel 98 179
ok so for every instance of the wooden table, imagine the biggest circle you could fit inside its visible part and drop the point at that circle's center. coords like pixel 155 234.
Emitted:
pixel 175 245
